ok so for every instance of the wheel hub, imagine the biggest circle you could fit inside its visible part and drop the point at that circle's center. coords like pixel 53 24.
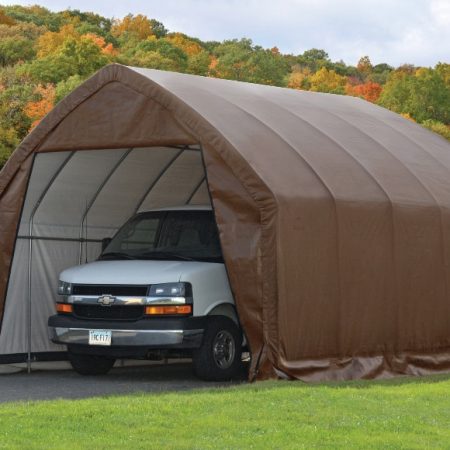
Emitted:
pixel 224 349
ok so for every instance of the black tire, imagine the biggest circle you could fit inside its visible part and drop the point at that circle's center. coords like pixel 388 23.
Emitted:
pixel 219 357
pixel 90 364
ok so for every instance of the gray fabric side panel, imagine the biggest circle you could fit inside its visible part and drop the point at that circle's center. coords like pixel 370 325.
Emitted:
pixel 201 197
pixel 44 167
pixel 176 185
pixel 120 196
pixel 13 337
pixel 62 208
pixel 49 258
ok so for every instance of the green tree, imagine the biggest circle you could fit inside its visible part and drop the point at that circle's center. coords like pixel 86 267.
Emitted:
pixel 158 29
pixel 437 127
pixel 198 64
pixel 15 92
pixel 15 49
pixel 443 69
pixel 35 14
pixel 267 67
pixel 423 95
pixel 75 57
pixel 314 59
pixel 171 57
pixel 65 87
pixel 240 60
pixel 380 73
pixel 232 57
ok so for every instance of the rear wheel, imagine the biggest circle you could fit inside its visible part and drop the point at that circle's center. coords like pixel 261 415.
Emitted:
pixel 90 364
pixel 219 357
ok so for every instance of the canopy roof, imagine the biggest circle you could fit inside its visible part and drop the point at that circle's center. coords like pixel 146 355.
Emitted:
pixel 333 212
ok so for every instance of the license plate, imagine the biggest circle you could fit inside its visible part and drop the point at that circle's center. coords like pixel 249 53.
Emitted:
pixel 100 337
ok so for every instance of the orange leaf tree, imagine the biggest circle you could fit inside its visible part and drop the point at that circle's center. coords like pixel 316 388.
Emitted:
pixel 369 91
pixel 36 110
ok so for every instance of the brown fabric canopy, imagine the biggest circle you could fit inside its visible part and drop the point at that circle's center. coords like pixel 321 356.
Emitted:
pixel 334 213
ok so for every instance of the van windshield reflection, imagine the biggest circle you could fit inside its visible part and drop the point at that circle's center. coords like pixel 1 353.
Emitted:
pixel 167 235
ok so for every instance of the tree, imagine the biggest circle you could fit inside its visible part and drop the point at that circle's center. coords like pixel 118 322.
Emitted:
pixel 423 94
pixel 240 60
pixel 52 41
pixel 181 41
pixel 314 59
pixel 325 80
pixel 36 110
pixel 65 87
pixel 89 18
pixel 22 31
pixel 170 57
pixel 15 49
pixel 15 92
pixel 99 41
pixel 138 27
pixel 154 60
pixel 75 57
pixel 266 67
pixel 437 127
pixel 369 91
pixel 35 14
pixel 443 70
pixel 231 58
pixel 158 29
pixel 5 19
pixel 299 79
pixel 199 63
pixel 380 73
pixel 17 42
pixel 364 67
pixel 8 142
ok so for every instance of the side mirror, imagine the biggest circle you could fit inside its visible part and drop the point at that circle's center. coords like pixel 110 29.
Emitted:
pixel 105 242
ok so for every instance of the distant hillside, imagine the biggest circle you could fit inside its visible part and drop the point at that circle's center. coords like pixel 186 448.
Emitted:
pixel 45 55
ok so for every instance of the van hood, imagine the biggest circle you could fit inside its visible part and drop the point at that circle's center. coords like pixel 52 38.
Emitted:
pixel 133 272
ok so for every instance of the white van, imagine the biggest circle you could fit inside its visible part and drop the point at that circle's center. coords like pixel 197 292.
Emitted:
pixel 158 289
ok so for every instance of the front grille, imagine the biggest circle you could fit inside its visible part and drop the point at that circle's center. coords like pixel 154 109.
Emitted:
pixel 119 312
pixel 110 289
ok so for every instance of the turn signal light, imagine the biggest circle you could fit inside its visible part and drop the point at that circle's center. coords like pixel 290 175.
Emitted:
pixel 169 310
pixel 64 308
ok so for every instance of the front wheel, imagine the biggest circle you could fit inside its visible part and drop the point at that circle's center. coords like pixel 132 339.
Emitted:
pixel 219 357
pixel 90 364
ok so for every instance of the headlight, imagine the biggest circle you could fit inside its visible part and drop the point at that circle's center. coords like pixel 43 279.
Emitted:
pixel 171 293
pixel 64 288
pixel 168 290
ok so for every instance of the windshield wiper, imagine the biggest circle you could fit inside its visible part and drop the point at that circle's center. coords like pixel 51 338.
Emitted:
pixel 164 255
pixel 116 255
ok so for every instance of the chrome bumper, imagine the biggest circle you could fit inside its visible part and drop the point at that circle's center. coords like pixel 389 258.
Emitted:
pixel 130 338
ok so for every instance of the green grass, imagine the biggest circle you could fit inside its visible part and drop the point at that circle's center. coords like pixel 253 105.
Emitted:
pixel 401 413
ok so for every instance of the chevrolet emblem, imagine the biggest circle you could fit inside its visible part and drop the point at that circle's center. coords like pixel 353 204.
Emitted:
pixel 106 300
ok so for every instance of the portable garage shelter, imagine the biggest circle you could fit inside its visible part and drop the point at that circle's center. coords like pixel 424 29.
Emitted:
pixel 333 215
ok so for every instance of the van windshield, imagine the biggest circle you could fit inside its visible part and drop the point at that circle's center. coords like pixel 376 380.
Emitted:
pixel 167 235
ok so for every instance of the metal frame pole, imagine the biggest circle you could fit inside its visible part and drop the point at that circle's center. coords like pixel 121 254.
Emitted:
pixel 196 188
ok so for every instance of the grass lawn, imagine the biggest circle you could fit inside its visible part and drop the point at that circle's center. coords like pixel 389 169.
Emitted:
pixel 400 413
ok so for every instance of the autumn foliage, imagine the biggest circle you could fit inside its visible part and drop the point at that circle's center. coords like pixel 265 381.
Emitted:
pixel 369 91
pixel 36 110
pixel 45 55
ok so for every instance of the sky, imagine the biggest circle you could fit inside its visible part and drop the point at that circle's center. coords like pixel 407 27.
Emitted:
pixel 391 31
